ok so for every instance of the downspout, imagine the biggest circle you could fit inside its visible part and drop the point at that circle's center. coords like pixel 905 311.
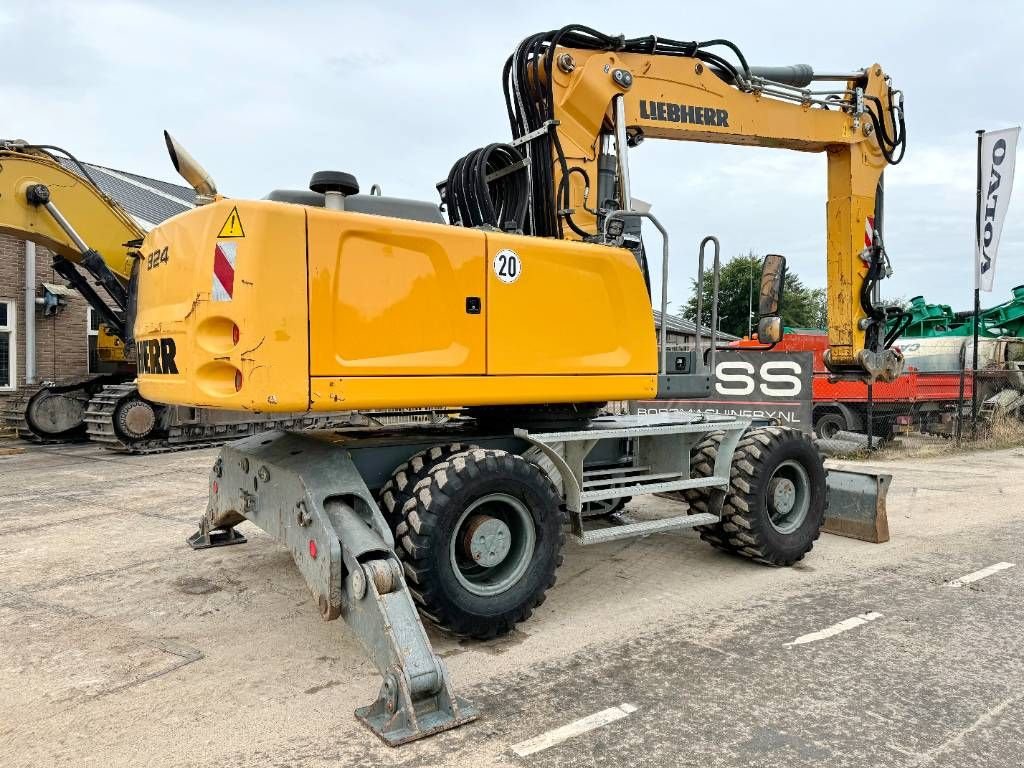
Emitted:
pixel 30 313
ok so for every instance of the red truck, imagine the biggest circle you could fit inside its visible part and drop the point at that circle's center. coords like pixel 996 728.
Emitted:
pixel 924 398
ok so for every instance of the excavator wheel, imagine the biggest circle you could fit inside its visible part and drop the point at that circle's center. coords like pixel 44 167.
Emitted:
pixel 702 464
pixel 480 541
pixel 55 413
pixel 135 418
pixel 775 507
pixel 398 488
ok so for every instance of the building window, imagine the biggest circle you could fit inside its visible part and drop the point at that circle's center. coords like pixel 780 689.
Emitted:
pixel 8 346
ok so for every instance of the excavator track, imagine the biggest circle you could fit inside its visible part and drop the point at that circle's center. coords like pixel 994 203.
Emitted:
pixel 49 413
pixel 108 422
pixel 12 415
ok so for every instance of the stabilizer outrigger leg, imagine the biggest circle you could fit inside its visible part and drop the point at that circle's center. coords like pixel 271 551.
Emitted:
pixel 308 494
pixel 205 537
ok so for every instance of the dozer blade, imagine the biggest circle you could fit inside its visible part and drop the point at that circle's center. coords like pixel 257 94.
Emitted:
pixel 856 504
pixel 307 493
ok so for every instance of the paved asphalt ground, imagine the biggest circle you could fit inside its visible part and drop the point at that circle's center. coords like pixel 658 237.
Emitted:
pixel 120 646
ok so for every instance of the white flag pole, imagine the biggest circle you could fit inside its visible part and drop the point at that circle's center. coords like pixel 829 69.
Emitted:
pixel 977 297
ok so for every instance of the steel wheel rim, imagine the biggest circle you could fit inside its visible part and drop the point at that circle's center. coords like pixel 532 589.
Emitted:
pixel 829 429
pixel 788 505
pixel 488 581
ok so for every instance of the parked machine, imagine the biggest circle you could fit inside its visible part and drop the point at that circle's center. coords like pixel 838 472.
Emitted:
pixel 529 309
pixel 96 248
pixel 936 345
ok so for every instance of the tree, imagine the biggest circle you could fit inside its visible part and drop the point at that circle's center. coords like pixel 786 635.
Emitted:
pixel 738 288
pixel 820 298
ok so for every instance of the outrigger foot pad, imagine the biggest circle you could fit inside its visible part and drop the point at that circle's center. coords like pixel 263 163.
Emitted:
pixel 218 537
pixel 398 717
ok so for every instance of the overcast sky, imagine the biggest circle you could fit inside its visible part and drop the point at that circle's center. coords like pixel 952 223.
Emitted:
pixel 266 93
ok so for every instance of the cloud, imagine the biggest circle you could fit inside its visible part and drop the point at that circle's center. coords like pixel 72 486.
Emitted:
pixel 266 93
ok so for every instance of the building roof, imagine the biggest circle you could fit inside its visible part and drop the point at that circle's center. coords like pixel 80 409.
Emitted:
pixel 688 327
pixel 148 201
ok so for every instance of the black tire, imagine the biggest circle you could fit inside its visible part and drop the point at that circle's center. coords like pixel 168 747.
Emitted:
pixel 763 455
pixel 428 542
pixel 702 464
pixel 399 487
pixel 828 423
pixel 602 510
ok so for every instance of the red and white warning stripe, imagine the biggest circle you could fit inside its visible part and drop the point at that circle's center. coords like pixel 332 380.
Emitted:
pixel 869 231
pixel 224 271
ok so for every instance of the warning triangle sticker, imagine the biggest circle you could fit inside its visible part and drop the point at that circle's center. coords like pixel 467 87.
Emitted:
pixel 233 226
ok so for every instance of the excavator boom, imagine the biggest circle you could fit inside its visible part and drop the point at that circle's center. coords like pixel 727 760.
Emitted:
pixel 98 221
pixel 60 209
pixel 573 94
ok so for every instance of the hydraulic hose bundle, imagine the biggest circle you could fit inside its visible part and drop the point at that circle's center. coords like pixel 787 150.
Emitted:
pixel 880 315
pixel 893 145
pixel 529 102
pixel 472 200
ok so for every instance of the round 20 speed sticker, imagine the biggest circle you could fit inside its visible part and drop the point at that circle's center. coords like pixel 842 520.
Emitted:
pixel 507 265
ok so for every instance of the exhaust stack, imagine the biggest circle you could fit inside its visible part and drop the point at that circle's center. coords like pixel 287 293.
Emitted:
pixel 190 170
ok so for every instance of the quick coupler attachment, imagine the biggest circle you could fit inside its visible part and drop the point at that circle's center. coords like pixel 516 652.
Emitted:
pixel 309 495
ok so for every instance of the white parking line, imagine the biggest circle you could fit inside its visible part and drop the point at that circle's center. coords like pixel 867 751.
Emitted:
pixel 980 574
pixel 575 728
pixel 835 629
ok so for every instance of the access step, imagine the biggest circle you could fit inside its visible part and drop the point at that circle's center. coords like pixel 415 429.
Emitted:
pixel 656 483
pixel 645 527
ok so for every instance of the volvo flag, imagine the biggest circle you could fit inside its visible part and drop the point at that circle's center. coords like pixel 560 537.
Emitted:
pixel 995 177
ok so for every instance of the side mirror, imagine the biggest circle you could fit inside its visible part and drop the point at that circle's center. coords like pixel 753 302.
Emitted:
pixel 773 278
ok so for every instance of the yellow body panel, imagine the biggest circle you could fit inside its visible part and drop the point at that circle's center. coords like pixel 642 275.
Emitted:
pixel 391 300
pixel 388 325
pixel 371 392
pixel 269 307
pixel 576 308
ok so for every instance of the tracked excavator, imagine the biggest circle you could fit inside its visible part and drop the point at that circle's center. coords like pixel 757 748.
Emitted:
pixel 528 309
pixel 96 246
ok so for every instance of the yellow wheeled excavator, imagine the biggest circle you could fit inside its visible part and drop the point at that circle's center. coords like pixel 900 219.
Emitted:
pixel 529 309
pixel 95 246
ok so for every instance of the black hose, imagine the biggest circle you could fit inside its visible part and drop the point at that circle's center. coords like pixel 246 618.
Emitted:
pixel 893 146
pixel 530 105
pixel 49 149
pixel 473 201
